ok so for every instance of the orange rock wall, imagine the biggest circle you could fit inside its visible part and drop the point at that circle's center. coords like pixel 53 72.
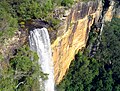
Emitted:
pixel 110 11
pixel 75 30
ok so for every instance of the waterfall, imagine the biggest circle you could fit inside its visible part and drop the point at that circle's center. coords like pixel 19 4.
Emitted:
pixel 40 42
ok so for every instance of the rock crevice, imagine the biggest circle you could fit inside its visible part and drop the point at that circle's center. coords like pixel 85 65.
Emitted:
pixel 73 36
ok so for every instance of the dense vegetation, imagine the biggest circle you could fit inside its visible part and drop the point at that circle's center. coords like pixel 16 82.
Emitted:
pixel 108 53
pixel 23 72
pixel 100 73
pixel 80 75
pixel 12 12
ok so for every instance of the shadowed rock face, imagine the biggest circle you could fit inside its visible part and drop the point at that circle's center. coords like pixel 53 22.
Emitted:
pixel 72 35
pixel 83 9
pixel 118 12
pixel 110 11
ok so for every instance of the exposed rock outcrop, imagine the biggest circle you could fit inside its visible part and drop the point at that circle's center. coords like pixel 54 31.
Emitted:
pixel 118 12
pixel 8 48
pixel 72 35
pixel 110 11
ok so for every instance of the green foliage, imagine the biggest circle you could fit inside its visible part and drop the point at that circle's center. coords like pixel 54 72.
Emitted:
pixel 87 74
pixel 23 72
pixel 32 9
pixel 8 24
pixel 117 88
pixel 80 75
pixel 87 0
pixel 12 11
pixel 93 34
pixel 109 49
pixel 104 81
pixel 67 2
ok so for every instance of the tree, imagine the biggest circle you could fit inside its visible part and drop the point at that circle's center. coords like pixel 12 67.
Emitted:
pixel 81 73
pixel 8 24
pixel 23 74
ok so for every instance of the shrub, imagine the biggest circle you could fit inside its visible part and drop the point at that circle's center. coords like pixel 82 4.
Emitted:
pixel 66 2
pixel 8 24
pixel 23 74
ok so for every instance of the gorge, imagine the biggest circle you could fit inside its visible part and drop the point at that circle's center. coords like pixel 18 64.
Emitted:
pixel 73 35
pixel 57 35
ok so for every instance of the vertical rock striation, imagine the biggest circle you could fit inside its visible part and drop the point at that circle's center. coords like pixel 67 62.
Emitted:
pixel 73 33
pixel 70 37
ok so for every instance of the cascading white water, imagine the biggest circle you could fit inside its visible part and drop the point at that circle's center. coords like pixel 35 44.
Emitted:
pixel 40 42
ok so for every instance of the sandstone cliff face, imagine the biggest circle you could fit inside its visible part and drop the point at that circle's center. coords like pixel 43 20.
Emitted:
pixel 110 11
pixel 70 37
pixel 73 34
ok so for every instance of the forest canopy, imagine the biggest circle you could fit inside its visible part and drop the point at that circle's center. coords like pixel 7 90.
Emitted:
pixel 22 74
pixel 98 73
